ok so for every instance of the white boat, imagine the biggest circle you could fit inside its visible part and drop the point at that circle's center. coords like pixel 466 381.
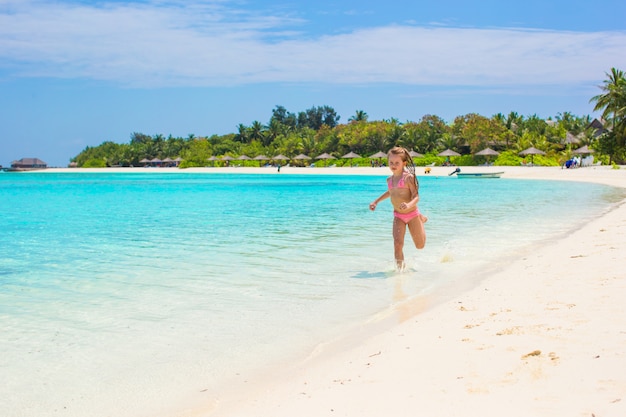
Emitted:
pixel 479 174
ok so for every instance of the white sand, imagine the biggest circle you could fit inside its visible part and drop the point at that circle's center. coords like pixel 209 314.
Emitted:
pixel 602 174
pixel 545 336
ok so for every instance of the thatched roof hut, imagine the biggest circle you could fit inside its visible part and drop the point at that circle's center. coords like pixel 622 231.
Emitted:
pixel 29 163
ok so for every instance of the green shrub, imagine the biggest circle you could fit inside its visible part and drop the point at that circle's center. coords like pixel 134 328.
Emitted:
pixel 191 164
pixel 428 160
pixel 463 160
pixel 508 158
pixel 95 163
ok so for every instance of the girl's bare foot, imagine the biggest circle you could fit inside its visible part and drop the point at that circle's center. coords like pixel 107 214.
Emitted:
pixel 400 265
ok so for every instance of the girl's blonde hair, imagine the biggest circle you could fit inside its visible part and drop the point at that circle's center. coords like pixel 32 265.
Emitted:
pixel 406 157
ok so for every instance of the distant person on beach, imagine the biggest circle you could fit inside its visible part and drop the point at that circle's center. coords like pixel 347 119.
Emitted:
pixel 403 189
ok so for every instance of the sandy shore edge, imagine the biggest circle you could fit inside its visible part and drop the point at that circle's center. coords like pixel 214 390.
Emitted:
pixel 544 336
pixel 598 174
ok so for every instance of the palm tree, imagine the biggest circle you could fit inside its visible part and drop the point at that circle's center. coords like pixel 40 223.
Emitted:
pixel 513 121
pixel 242 133
pixel 257 132
pixel 360 116
pixel 613 105
pixel 613 101
pixel 449 141
pixel 274 129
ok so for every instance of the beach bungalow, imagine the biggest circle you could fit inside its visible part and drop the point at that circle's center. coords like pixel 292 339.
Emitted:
pixel 28 163
pixel 598 127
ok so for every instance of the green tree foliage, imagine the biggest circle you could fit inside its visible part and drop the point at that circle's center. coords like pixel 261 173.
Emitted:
pixel 281 116
pixel 360 116
pixel 315 117
pixel 317 130
pixel 479 132
pixel 196 153
pixel 95 163
pixel 612 103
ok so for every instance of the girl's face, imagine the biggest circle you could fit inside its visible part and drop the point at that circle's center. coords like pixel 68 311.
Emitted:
pixel 396 164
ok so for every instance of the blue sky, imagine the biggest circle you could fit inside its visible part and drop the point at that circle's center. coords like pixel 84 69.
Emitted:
pixel 77 73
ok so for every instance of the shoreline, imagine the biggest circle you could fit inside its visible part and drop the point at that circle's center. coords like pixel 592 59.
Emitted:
pixel 598 174
pixel 542 336
pixel 530 340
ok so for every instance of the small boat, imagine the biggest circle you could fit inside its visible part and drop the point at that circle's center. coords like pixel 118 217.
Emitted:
pixel 479 174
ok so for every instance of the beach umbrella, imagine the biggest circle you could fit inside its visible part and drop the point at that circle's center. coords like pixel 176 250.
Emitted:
pixel 260 158
pixel 532 151
pixel 280 157
pixel 351 155
pixel 325 156
pixel 415 154
pixel 243 158
pixel 487 152
pixel 212 158
pixel 379 155
pixel 144 161
pixel 448 152
pixel 227 159
pixel 301 157
pixel 583 151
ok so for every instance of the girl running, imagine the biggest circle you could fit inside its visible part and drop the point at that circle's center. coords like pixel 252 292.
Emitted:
pixel 403 189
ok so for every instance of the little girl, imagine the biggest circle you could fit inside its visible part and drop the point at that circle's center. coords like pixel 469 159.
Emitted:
pixel 403 188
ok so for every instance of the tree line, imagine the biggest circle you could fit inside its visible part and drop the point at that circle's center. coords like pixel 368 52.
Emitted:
pixel 317 130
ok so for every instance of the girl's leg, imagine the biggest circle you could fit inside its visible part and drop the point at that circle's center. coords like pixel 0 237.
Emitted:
pixel 399 230
pixel 416 228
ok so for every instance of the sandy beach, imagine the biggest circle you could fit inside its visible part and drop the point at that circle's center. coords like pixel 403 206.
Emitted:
pixel 542 336
pixel 600 174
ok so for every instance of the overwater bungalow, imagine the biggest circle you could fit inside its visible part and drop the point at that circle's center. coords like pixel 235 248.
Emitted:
pixel 26 164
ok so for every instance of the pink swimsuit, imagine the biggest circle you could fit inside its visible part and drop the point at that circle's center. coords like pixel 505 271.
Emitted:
pixel 405 217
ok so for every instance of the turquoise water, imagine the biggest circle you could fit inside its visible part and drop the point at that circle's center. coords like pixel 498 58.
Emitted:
pixel 130 294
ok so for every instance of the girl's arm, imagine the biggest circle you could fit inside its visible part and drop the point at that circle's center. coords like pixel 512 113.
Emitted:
pixel 378 200
pixel 415 196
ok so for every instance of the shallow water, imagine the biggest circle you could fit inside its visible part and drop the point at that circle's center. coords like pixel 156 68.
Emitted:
pixel 125 294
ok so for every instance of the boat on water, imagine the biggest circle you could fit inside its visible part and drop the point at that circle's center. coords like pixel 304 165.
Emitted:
pixel 479 174
pixel 460 174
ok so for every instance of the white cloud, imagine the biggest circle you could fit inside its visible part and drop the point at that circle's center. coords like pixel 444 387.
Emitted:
pixel 169 43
